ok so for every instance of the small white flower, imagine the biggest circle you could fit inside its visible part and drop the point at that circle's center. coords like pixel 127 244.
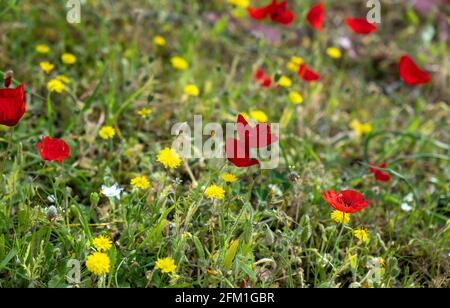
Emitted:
pixel 113 191
pixel 275 190
pixel 51 198
pixel 409 198
pixel 406 207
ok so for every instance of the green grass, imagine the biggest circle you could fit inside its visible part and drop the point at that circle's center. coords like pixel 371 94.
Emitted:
pixel 269 229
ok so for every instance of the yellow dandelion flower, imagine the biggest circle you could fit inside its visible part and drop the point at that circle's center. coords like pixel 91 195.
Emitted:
pixel 68 58
pixel 334 53
pixel 102 243
pixel 144 112
pixel 340 217
pixel 285 82
pixel 63 79
pixel 55 85
pixel 98 263
pixel 360 128
pixel 107 132
pixel 191 90
pixel 179 63
pixel 294 64
pixel 169 158
pixel 259 116
pixel 159 40
pixel 46 67
pixel 228 178
pixel 361 234
pixel 240 3
pixel 140 182
pixel 295 97
pixel 215 192
pixel 166 265
pixel 42 48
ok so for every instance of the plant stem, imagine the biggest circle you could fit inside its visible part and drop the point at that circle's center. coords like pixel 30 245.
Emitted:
pixel 6 156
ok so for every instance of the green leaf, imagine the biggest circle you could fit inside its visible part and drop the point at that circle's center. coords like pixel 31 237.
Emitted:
pixel 8 258
pixel 231 253
pixel 199 247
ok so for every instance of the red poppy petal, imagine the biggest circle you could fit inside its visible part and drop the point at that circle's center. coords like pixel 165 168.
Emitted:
pixel 243 128
pixel 262 12
pixel 259 74
pixel 282 15
pixel 315 16
pixel 12 105
pixel 410 73
pixel 352 195
pixel 306 74
pixel 382 177
pixel 261 136
pixel 360 25
pixel 267 81
pixel 284 18
pixel 238 155
pixel 329 196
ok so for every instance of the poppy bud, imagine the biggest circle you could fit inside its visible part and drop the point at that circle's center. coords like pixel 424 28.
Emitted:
pixel 7 78
pixel 293 176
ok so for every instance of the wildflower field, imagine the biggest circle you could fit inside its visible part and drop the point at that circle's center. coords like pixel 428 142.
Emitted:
pixel 94 192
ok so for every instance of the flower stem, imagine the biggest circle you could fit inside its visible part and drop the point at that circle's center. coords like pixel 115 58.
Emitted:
pixel 6 155
pixel 338 240
pixel 49 115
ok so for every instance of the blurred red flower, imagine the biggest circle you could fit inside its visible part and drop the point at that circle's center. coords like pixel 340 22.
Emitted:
pixel 410 73
pixel 262 78
pixel 380 176
pixel 360 25
pixel 277 12
pixel 307 74
pixel 315 16
pixel 347 201
pixel 53 149
pixel 12 105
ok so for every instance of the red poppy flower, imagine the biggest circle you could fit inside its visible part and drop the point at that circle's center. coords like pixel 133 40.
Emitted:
pixel 307 74
pixel 259 74
pixel 380 176
pixel 347 201
pixel 262 78
pixel 315 16
pixel 410 73
pixel 53 149
pixel 276 12
pixel 12 105
pixel 360 25
pixel 238 151
pixel 259 136
pixel 266 82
